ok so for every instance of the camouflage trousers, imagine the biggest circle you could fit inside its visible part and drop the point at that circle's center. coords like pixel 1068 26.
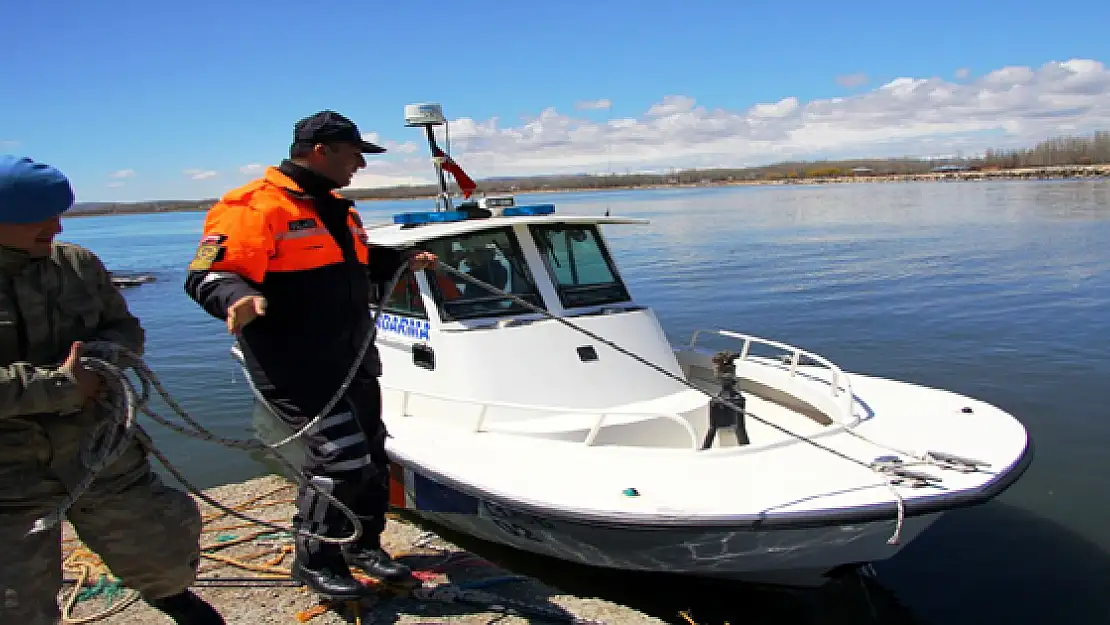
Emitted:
pixel 146 533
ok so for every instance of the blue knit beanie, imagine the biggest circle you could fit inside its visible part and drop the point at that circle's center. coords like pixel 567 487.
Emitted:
pixel 31 192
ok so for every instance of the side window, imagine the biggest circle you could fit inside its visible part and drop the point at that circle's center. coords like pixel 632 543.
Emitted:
pixel 579 265
pixel 405 299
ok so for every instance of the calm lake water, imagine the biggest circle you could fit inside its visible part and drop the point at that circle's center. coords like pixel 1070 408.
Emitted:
pixel 998 290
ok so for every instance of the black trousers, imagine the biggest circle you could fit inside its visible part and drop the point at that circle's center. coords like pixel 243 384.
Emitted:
pixel 346 458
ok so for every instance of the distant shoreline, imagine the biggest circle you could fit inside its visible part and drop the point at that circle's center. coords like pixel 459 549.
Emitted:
pixel 1059 172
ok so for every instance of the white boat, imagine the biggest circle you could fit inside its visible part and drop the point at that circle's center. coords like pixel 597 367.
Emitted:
pixel 607 448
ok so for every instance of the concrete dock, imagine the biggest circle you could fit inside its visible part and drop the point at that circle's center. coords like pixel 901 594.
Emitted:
pixel 244 574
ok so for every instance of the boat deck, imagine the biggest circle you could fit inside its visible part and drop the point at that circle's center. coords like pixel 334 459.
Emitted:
pixel 785 477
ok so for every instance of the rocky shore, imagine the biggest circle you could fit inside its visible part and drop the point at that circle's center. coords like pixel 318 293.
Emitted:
pixel 244 573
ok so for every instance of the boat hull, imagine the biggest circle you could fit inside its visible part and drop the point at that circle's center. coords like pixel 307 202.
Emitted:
pixel 785 556
pixel 792 550
pixel 795 557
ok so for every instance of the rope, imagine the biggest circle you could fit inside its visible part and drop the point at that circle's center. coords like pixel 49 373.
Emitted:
pixel 87 565
pixel 124 402
pixel 685 614
pixel 267 563
pixel 892 473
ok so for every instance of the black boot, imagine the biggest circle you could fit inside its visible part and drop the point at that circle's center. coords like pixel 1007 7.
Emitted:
pixel 326 574
pixel 376 562
pixel 185 608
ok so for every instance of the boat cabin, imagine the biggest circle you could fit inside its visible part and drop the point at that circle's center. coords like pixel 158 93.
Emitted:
pixel 557 347
pixel 445 340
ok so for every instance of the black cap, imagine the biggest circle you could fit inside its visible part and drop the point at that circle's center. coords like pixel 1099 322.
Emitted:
pixel 331 127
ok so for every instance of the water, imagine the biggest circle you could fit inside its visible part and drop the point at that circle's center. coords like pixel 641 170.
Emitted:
pixel 998 290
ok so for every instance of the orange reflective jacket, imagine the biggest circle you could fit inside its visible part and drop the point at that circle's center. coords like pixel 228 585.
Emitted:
pixel 308 256
pixel 260 227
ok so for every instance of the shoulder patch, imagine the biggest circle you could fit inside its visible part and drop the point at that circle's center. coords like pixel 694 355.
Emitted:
pixel 207 254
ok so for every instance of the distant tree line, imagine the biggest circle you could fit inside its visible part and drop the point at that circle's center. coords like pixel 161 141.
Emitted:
pixel 1067 150
pixel 1093 150
pixel 154 206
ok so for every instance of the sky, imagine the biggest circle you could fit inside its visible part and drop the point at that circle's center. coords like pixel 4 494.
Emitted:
pixel 158 100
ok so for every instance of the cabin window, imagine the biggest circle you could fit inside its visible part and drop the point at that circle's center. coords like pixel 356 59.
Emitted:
pixel 579 265
pixel 405 299
pixel 492 256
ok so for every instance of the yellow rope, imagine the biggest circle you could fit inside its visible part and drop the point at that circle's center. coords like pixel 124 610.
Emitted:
pixel 87 566
pixel 685 614
pixel 265 563
pixel 85 563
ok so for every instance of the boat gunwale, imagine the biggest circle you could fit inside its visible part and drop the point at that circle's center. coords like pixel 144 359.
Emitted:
pixel 807 519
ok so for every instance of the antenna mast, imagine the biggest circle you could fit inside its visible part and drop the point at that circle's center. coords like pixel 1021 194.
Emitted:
pixel 429 115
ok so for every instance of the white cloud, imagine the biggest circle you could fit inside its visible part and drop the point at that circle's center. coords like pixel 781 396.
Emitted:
pixel 963 73
pixel 114 185
pixel 852 80
pixel 406 147
pixel 671 105
pixel 391 173
pixel 9 144
pixel 123 173
pixel 200 174
pixel 782 108
pixel 251 168
pixel 1011 106
pixel 370 180
pixel 594 105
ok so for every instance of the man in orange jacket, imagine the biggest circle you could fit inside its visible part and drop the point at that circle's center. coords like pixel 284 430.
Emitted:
pixel 285 261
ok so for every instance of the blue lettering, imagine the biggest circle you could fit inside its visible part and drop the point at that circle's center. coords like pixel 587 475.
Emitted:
pixel 412 328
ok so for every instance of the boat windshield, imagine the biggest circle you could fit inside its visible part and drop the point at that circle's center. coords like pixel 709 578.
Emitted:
pixel 579 264
pixel 492 256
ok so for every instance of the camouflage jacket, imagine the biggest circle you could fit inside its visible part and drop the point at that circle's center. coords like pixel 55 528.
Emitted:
pixel 45 305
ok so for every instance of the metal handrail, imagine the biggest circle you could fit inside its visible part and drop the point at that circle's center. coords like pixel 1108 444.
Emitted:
pixel 406 394
pixel 796 353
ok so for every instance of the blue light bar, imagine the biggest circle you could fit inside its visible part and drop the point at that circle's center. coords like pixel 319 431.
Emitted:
pixel 528 210
pixel 416 219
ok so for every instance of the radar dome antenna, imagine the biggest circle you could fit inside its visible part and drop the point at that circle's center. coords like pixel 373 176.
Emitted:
pixel 430 115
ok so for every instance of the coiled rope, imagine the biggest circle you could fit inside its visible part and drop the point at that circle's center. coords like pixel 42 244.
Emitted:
pixel 124 403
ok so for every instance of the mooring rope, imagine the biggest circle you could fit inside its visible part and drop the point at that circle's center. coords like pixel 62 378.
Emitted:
pixel 124 402
pixel 892 473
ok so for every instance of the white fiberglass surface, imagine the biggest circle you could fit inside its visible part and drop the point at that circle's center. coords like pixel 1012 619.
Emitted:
pixel 794 477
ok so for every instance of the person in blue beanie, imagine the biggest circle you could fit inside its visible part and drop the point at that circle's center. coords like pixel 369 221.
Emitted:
pixel 53 297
